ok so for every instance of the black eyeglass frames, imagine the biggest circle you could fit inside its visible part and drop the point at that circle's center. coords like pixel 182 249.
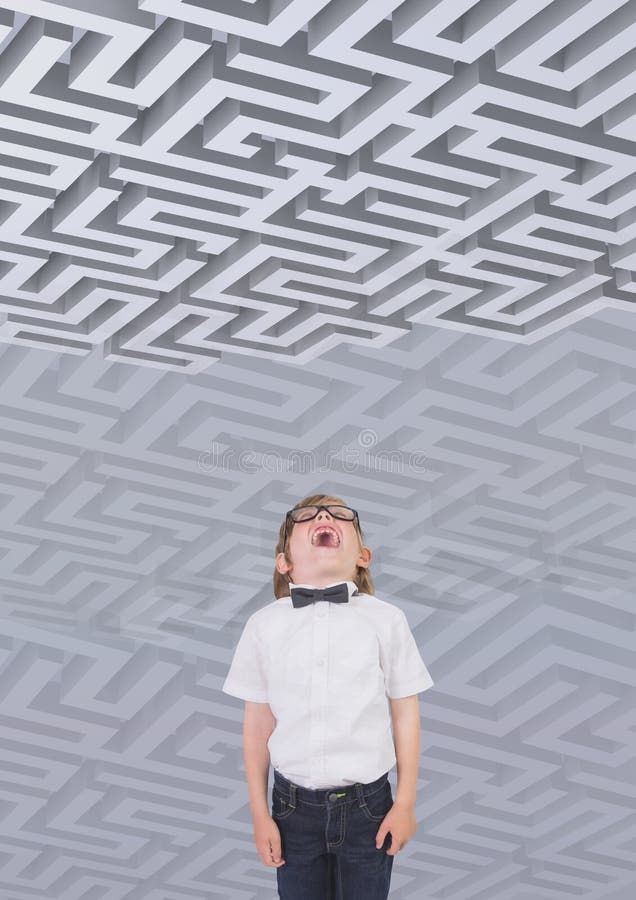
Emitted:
pixel 307 513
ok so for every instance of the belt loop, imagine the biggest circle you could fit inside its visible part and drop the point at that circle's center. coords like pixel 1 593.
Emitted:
pixel 359 794
pixel 292 794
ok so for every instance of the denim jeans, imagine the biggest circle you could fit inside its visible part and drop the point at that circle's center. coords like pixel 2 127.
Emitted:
pixel 328 840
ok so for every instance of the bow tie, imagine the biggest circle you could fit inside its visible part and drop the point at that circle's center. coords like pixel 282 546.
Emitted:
pixel 337 593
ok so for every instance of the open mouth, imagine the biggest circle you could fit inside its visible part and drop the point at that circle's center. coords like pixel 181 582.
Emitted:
pixel 325 536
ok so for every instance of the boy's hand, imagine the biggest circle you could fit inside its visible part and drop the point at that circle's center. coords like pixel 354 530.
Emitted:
pixel 401 822
pixel 267 838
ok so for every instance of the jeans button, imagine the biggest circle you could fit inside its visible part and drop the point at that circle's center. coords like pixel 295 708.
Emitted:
pixel 332 797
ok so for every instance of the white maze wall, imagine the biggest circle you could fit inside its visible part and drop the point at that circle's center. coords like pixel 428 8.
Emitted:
pixel 312 175
pixel 251 250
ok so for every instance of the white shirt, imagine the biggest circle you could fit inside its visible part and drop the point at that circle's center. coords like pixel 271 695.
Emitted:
pixel 326 670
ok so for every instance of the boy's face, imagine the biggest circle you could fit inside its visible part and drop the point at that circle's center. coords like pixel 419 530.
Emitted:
pixel 323 559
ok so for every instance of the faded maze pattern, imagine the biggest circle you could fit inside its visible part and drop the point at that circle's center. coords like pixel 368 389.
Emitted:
pixel 130 561
pixel 279 178
pixel 431 207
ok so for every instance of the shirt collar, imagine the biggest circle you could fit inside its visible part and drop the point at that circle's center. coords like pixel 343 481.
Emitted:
pixel 352 587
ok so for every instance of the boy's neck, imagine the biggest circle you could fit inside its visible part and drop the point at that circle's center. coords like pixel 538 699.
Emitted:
pixel 319 581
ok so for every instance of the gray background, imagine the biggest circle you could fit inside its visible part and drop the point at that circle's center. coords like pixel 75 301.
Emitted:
pixel 254 250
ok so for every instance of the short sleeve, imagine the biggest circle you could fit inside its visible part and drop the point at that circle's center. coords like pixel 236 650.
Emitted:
pixel 405 672
pixel 246 678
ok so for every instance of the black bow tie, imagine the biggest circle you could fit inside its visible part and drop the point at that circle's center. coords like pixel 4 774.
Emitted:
pixel 337 593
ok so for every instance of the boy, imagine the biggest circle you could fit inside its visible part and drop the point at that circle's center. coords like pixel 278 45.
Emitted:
pixel 315 668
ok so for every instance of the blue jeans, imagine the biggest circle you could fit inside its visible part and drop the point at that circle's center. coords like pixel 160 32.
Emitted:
pixel 328 840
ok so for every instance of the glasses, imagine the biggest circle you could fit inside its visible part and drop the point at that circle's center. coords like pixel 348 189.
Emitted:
pixel 307 513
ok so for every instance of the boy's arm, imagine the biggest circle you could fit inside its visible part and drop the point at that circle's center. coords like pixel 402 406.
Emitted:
pixel 258 724
pixel 405 715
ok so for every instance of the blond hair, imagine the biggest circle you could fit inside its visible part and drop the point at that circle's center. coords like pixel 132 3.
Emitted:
pixel 362 576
